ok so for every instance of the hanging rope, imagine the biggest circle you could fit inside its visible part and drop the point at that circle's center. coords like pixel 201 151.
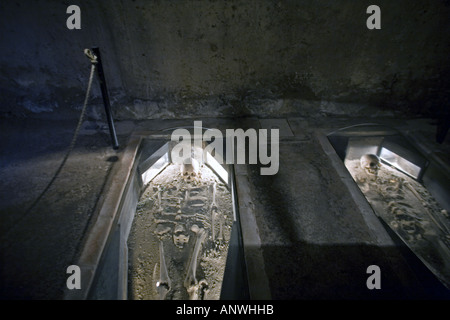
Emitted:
pixel 93 59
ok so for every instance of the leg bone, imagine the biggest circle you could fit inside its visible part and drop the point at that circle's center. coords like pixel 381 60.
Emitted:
pixel 190 282
pixel 163 285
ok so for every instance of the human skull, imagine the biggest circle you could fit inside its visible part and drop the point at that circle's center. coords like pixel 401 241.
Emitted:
pixel 190 167
pixel 370 163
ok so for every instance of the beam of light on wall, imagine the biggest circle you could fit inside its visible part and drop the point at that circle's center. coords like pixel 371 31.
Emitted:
pixel 400 163
pixel 216 167
pixel 154 164
pixel 155 169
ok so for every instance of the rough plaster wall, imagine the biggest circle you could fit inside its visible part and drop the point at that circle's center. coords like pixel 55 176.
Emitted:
pixel 220 58
pixel 43 67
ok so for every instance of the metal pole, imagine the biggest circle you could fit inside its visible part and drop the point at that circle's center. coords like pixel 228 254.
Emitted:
pixel 101 77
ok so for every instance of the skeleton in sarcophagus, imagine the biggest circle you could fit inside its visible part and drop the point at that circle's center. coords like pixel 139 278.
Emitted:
pixel 188 225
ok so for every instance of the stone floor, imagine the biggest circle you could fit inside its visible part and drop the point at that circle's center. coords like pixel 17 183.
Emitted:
pixel 312 238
